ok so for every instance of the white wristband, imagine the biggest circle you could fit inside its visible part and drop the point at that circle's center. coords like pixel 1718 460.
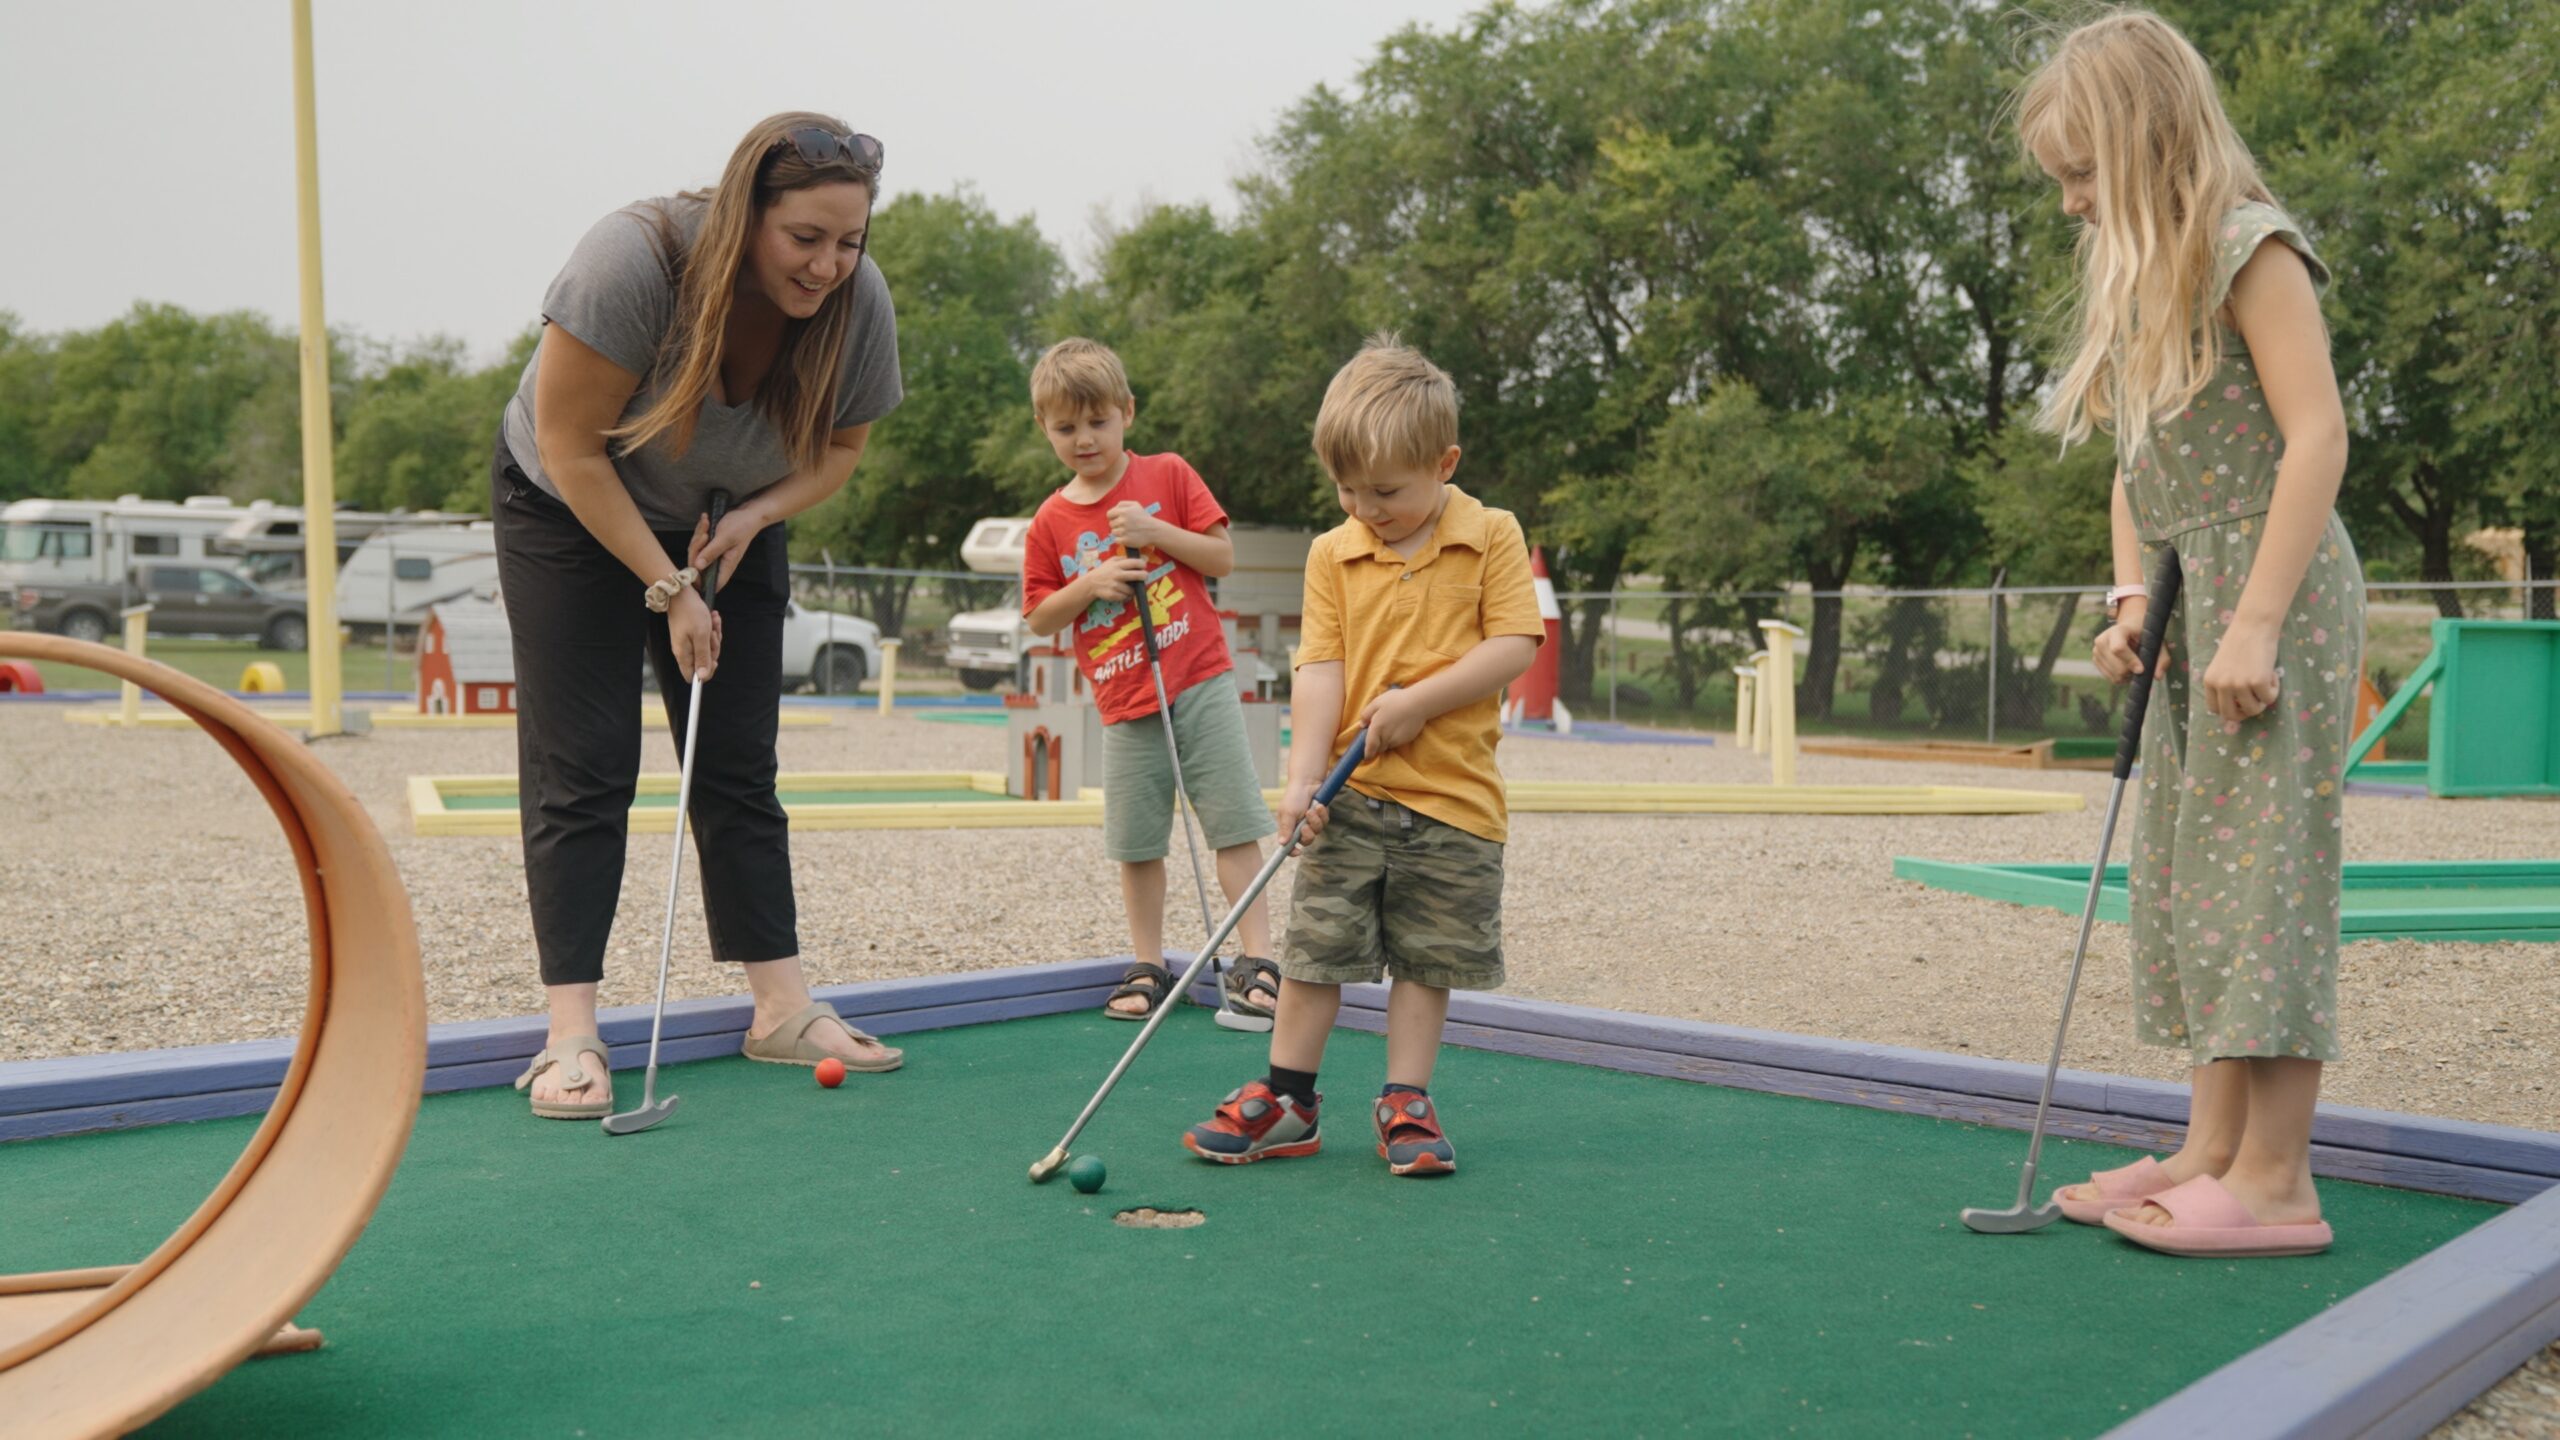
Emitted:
pixel 2121 593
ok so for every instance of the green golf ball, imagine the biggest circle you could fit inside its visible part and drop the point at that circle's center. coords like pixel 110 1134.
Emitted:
pixel 1086 1174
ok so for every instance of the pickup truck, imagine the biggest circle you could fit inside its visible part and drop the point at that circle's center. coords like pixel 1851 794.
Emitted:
pixel 185 600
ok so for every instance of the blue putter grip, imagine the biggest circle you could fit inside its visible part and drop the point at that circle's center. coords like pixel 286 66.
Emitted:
pixel 711 577
pixel 1342 769
pixel 2155 630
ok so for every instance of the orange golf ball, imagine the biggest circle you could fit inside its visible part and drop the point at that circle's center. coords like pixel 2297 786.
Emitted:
pixel 831 1073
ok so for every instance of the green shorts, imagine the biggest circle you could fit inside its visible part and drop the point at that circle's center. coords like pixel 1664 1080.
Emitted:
pixel 1388 891
pixel 1217 772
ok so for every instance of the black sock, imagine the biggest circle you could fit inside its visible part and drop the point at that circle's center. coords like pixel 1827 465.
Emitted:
pixel 1298 1085
pixel 1395 1089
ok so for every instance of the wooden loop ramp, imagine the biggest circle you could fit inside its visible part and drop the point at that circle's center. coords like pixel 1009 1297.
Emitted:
pixel 101 1351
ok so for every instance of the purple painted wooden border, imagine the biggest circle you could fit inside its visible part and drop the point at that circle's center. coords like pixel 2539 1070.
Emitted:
pixel 2395 1358
pixel 82 1093
pixel 2487 1162
pixel 2391 1360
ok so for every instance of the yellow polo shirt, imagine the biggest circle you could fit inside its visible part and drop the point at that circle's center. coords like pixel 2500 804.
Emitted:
pixel 1394 621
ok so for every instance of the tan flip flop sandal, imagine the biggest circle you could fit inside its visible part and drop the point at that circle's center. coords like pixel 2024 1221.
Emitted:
pixel 565 1055
pixel 789 1044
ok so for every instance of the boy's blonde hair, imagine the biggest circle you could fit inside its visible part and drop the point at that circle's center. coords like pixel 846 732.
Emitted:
pixel 1076 376
pixel 1388 408
pixel 2126 93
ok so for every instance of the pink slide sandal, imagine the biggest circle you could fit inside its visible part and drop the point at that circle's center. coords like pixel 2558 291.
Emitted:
pixel 2118 1189
pixel 2209 1222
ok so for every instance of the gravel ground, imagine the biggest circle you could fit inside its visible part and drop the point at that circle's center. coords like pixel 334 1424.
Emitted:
pixel 152 906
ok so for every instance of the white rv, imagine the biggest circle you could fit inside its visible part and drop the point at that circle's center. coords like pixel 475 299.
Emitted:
pixel 269 547
pixel 397 574
pixel 98 542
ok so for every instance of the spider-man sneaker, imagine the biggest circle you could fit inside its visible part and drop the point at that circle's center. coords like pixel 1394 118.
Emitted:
pixel 1256 1123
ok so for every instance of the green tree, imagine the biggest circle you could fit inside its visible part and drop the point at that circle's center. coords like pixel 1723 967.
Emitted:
pixel 2374 125
pixel 26 394
pixel 970 289
pixel 163 403
pixel 421 423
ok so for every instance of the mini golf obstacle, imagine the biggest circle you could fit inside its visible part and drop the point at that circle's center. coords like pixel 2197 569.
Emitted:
pixel 2076 752
pixel 101 1351
pixel 2471 900
pixel 2494 725
pixel 1765 721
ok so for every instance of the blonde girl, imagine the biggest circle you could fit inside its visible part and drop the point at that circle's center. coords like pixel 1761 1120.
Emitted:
pixel 2198 346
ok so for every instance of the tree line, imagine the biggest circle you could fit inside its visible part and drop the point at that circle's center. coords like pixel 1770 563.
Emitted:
pixel 1737 293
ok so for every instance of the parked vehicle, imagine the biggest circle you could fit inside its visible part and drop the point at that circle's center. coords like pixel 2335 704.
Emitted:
pixel 273 551
pixel 827 650
pixel 98 542
pixel 184 600
pixel 987 647
pixel 396 574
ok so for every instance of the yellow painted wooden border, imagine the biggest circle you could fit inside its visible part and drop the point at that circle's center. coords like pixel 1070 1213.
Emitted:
pixel 428 811
pixel 429 814
pixel 654 717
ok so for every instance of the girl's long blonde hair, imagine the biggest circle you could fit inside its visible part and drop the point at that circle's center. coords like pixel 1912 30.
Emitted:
pixel 799 393
pixel 2126 94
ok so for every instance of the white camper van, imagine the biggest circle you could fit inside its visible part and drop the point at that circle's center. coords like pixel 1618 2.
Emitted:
pixel 985 647
pixel 98 542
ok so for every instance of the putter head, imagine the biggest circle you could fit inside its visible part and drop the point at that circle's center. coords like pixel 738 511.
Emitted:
pixel 632 1122
pixel 1047 1166
pixel 1235 1020
pixel 2015 1220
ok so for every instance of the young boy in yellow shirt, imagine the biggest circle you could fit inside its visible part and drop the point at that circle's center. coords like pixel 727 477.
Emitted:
pixel 1419 609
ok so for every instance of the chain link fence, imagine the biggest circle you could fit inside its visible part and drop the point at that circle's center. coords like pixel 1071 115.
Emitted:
pixel 914 607
pixel 2007 664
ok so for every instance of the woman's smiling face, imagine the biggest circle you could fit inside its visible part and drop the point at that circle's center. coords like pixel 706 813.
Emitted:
pixel 806 243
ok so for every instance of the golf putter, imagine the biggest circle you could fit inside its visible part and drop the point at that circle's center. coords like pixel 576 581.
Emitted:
pixel 652 1109
pixel 1182 813
pixel 1047 1166
pixel 2026 1215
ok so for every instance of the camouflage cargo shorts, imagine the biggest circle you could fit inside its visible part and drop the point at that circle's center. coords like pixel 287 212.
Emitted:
pixel 1389 891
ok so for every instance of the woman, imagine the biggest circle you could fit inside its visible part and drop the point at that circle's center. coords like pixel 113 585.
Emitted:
pixel 730 339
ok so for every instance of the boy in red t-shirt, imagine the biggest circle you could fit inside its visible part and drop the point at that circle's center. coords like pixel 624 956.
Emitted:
pixel 1132 531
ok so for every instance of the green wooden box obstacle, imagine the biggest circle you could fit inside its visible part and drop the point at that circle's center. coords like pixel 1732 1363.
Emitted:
pixel 2494 725
pixel 2473 900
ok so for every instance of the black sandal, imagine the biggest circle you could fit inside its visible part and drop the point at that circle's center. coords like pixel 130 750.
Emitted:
pixel 1145 979
pixel 1249 975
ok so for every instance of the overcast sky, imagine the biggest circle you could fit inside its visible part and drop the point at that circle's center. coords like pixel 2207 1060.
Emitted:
pixel 146 146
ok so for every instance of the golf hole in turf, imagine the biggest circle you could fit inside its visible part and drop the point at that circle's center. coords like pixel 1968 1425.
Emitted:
pixel 1147 1217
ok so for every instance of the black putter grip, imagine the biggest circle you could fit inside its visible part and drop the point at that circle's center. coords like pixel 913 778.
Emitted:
pixel 2155 630
pixel 1147 626
pixel 711 573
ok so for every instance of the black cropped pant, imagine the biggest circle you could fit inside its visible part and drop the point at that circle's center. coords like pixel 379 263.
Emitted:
pixel 580 629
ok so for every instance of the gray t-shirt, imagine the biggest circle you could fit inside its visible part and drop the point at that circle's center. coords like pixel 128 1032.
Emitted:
pixel 614 296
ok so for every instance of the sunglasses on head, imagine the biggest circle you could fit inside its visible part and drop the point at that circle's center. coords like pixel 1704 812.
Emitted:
pixel 820 146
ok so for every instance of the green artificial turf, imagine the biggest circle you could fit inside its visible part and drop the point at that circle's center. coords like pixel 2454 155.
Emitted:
pixel 1617 1255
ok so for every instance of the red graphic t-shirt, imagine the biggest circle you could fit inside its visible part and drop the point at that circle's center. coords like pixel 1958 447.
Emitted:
pixel 1067 539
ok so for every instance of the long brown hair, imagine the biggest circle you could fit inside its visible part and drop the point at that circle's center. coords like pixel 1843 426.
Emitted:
pixel 2126 92
pixel 798 394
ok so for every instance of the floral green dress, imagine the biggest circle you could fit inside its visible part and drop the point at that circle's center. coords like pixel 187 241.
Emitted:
pixel 2234 870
